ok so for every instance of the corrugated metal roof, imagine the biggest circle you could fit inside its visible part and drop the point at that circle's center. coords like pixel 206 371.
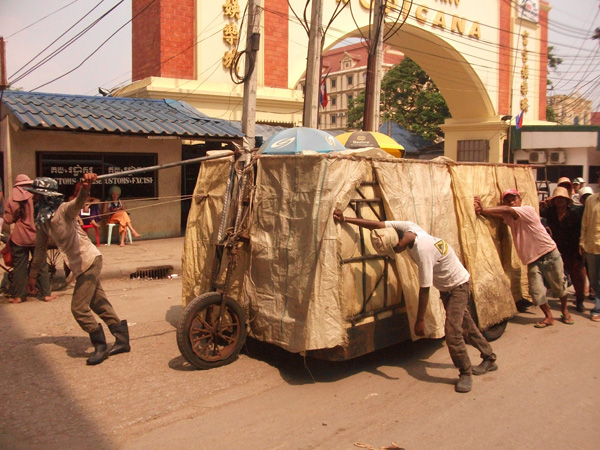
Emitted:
pixel 117 115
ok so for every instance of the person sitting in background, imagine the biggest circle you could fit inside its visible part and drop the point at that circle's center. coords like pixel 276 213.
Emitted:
pixel 19 211
pixel 119 214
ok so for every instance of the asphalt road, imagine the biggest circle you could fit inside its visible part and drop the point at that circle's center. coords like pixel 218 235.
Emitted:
pixel 542 396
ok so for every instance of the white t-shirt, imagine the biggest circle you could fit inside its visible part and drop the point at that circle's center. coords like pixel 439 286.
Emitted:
pixel 437 262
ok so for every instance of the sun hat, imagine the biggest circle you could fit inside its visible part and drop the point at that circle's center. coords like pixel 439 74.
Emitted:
pixel 19 194
pixel 565 180
pixel 510 192
pixel 561 192
pixel 578 180
pixel 384 240
pixel 44 186
pixel 585 191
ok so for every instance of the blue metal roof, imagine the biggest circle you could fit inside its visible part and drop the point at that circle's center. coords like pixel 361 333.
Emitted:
pixel 117 115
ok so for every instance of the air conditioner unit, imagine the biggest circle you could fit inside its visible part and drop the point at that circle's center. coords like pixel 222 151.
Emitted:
pixel 537 157
pixel 557 157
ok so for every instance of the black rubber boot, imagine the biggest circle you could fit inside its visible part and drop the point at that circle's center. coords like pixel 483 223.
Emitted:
pixel 100 348
pixel 121 333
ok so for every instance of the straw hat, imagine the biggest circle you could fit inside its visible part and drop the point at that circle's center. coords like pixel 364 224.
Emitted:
pixel 19 194
pixel 384 240
pixel 563 181
pixel 561 192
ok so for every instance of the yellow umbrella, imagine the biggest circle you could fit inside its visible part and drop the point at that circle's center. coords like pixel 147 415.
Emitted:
pixel 363 139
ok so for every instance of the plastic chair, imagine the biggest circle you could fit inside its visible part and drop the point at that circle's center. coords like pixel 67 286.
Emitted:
pixel 87 227
pixel 110 229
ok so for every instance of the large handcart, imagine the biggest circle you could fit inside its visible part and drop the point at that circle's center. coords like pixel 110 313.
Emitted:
pixel 263 255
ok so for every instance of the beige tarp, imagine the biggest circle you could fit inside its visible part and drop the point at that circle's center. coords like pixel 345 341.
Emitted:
pixel 298 294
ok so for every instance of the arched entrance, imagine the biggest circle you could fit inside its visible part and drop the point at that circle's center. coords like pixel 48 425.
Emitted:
pixel 487 58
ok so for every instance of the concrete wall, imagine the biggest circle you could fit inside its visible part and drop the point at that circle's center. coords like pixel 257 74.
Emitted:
pixel 153 218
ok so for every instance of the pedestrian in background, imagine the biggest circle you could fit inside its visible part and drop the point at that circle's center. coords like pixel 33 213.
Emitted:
pixel 564 220
pixel 58 220
pixel 590 246
pixel 537 251
pixel 19 211
pixel 577 185
pixel 119 214
pixel 439 267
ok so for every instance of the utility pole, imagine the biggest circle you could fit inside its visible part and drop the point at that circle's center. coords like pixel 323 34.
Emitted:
pixel 3 82
pixel 374 64
pixel 249 104
pixel 313 66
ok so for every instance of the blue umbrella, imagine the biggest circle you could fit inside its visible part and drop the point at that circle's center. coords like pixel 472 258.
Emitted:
pixel 293 140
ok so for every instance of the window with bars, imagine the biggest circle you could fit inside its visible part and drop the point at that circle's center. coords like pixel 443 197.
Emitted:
pixel 477 150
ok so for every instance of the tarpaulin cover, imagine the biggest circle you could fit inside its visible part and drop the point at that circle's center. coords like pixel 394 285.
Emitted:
pixel 296 290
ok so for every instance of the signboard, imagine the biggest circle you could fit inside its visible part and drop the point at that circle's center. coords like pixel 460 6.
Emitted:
pixel 529 10
pixel 68 168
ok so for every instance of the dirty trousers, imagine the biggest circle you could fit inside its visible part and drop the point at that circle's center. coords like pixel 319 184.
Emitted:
pixel 89 296
pixel 460 328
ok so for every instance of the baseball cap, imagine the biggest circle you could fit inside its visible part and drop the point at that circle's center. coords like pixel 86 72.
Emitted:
pixel 585 191
pixel 510 192
pixel 578 180
pixel 384 240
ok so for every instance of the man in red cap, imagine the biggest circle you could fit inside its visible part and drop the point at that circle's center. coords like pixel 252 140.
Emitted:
pixel 537 251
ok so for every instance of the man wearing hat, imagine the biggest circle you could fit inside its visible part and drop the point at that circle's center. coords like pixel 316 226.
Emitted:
pixel 58 220
pixel 19 211
pixel 439 267
pixel 577 185
pixel 564 221
pixel 537 251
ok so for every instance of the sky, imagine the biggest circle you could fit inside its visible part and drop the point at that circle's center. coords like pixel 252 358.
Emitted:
pixel 29 26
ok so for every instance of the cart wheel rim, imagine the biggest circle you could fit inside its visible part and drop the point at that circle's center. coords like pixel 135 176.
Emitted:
pixel 214 336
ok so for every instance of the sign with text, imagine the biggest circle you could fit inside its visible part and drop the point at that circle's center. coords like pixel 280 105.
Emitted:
pixel 68 168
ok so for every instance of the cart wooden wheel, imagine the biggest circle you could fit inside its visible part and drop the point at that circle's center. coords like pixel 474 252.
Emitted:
pixel 494 332
pixel 212 331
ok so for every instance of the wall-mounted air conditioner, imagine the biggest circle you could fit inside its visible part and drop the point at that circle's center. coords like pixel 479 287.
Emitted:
pixel 537 157
pixel 557 157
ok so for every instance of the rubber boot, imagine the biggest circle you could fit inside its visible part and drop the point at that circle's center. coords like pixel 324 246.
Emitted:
pixel 121 333
pixel 100 348
pixel 465 382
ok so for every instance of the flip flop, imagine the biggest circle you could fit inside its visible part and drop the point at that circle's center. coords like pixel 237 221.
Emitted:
pixel 566 321
pixel 543 324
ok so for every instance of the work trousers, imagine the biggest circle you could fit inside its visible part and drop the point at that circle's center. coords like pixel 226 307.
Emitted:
pixel 89 296
pixel 21 257
pixel 593 261
pixel 461 329
pixel 576 269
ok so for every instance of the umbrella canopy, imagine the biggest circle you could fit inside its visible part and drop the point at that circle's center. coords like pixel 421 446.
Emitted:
pixel 293 140
pixel 363 139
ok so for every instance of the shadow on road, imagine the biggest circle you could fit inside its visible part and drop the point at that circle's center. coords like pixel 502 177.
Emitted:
pixel 40 409
pixel 296 369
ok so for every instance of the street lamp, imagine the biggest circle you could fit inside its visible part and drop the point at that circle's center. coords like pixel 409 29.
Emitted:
pixel 505 119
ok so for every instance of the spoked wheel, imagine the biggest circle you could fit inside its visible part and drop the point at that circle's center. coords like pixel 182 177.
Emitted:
pixel 212 331
pixel 494 332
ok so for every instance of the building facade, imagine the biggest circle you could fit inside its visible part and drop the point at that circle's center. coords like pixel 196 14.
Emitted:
pixel 344 78
pixel 571 109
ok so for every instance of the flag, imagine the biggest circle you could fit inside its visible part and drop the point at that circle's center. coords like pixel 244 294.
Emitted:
pixel 519 120
pixel 323 100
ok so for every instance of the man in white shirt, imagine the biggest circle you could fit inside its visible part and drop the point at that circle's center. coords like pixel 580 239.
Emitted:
pixel 439 267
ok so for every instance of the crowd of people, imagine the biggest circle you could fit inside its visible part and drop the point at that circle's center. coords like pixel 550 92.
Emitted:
pixel 560 243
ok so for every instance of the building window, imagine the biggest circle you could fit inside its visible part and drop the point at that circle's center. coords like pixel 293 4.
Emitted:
pixel 364 77
pixel 333 101
pixel 67 169
pixel 474 151
pixel 350 80
pixel 349 99
pixel 333 118
pixel 333 82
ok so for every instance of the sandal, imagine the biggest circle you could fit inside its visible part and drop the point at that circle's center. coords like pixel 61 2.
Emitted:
pixel 543 324
pixel 566 321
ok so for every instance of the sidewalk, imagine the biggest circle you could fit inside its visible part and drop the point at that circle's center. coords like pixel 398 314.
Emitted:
pixel 121 262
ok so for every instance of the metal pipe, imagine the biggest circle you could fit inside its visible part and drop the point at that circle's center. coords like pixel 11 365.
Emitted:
pixel 160 166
